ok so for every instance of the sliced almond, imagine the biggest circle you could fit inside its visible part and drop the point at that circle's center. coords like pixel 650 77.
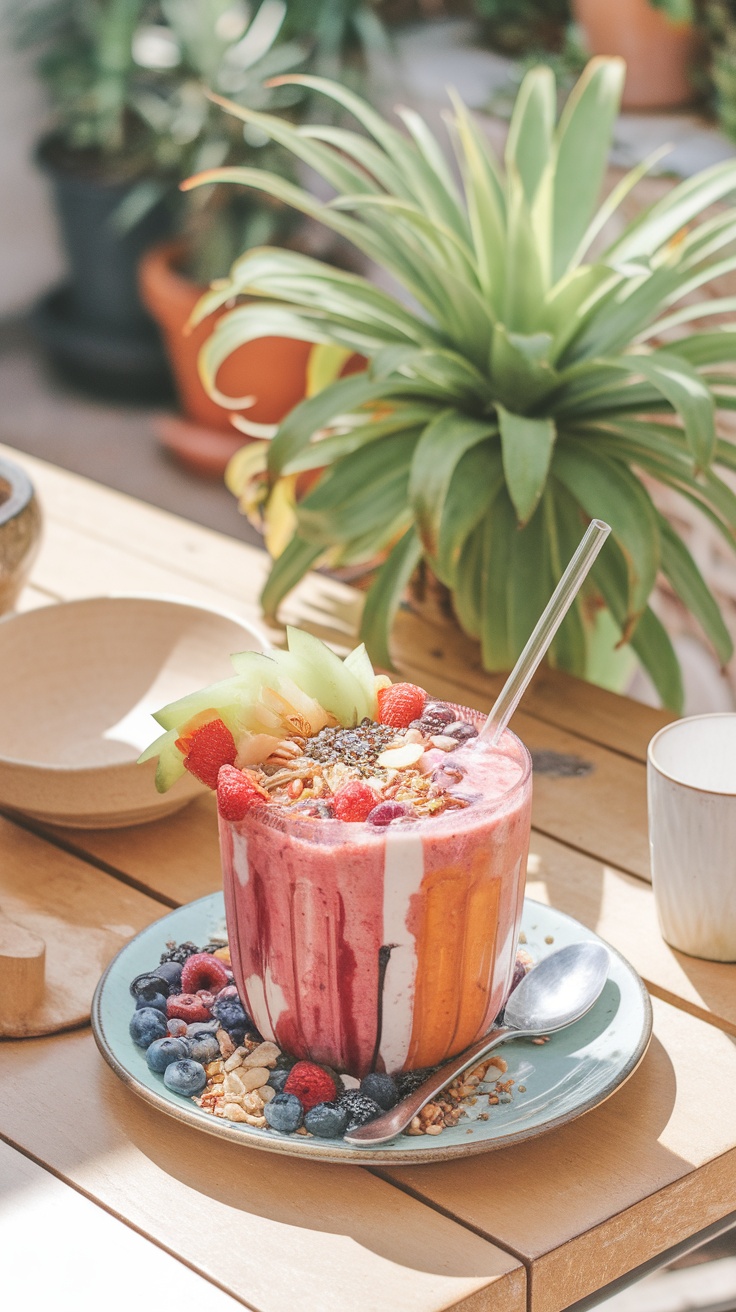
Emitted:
pixel 401 758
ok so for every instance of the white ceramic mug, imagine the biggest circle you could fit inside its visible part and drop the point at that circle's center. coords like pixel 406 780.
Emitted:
pixel 691 785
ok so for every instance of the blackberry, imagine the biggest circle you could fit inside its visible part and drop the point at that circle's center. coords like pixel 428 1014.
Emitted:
pixel 148 986
pixel 178 952
pixel 408 1081
pixel 360 1108
pixel 461 731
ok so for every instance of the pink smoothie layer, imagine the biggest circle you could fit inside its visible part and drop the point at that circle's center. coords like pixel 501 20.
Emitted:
pixel 382 948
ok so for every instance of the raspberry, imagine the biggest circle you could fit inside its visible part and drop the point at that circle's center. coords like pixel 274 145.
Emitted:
pixel 203 971
pixel 400 704
pixel 207 748
pixel 310 1084
pixel 385 812
pixel 188 1007
pixel 237 792
pixel 354 801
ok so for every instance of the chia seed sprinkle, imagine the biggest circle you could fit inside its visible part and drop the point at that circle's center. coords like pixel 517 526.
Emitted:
pixel 359 747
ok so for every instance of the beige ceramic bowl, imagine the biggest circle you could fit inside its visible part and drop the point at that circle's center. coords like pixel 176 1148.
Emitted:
pixel 78 682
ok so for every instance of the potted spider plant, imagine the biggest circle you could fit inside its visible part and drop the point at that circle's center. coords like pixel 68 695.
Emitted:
pixel 658 39
pixel 518 383
pixel 237 56
pixel 101 158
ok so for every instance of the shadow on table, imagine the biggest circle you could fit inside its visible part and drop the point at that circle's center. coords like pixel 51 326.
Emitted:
pixel 312 1195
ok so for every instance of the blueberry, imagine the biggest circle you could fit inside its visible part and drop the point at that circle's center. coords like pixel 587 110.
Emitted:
pixel 327 1120
pixel 284 1113
pixel 360 1108
pixel 186 1077
pixel 147 1025
pixel 232 1017
pixel 155 1000
pixel 177 1028
pixel 277 1079
pixel 385 812
pixel 381 1088
pixel 163 1051
pixel 460 731
pixel 146 985
pixel 285 1061
pixel 170 973
pixel 204 1048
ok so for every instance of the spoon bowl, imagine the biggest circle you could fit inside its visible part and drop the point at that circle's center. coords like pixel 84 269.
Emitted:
pixel 555 993
pixel 559 990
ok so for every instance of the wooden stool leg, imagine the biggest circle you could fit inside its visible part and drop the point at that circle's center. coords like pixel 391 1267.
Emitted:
pixel 22 974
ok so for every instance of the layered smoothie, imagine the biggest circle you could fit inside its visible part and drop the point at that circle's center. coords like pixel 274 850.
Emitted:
pixel 374 853
pixel 383 946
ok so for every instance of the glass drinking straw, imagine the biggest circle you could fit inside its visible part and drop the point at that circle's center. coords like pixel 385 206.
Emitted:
pixel 549 622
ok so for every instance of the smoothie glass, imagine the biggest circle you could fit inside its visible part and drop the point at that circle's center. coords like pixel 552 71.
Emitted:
pixel 392 948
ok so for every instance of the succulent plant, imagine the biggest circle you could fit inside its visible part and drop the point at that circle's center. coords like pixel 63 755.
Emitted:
pixel 517 380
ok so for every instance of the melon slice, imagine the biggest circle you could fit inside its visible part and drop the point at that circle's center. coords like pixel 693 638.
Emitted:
pixel 170 760
pixel 359 663
pixel 324 676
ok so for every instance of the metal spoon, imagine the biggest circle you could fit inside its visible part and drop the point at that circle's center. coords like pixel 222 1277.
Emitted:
pixel 553 995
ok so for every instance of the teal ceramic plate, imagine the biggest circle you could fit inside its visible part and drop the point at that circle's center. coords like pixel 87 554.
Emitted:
pixel 571 1073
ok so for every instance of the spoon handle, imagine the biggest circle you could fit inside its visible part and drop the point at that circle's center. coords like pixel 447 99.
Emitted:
pixel 392 1123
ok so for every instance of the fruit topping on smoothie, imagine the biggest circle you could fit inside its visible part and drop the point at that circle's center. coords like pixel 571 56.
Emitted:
pixel 303 731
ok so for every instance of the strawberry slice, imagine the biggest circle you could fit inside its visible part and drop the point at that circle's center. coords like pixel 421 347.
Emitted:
pixel 237 793
pixel 207 748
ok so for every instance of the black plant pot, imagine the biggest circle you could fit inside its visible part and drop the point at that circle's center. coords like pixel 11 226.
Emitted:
pixel 95 327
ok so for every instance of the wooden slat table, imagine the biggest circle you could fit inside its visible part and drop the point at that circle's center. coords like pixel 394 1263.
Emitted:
pixel 541 1226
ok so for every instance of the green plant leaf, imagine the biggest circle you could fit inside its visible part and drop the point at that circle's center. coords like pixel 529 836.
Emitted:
pixel 476 481
pixel 384 597
pixel 442 444
pixel 468 592
pixel 529 142
pixel 525 274
pixel 565 525
pixel 649 640
pixel 689 397
pixel 583 142
pixel 607 490
pixel 294 562
pixel 486 205
pixel 499 531
pixel 527 446
pixel 655 226
pixel 520 371
pixel 680 569
pixel 327 450
pixel 360 494
pixel 298 428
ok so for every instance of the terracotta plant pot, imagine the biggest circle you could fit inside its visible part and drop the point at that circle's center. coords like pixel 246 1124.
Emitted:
pixel 273 369
pixel 659 53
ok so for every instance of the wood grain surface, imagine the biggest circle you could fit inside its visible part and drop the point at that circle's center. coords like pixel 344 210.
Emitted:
pixel 573 1209
pixel 82 1246
pixel 84 918
pixel 646 1169
pixel 280 1234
